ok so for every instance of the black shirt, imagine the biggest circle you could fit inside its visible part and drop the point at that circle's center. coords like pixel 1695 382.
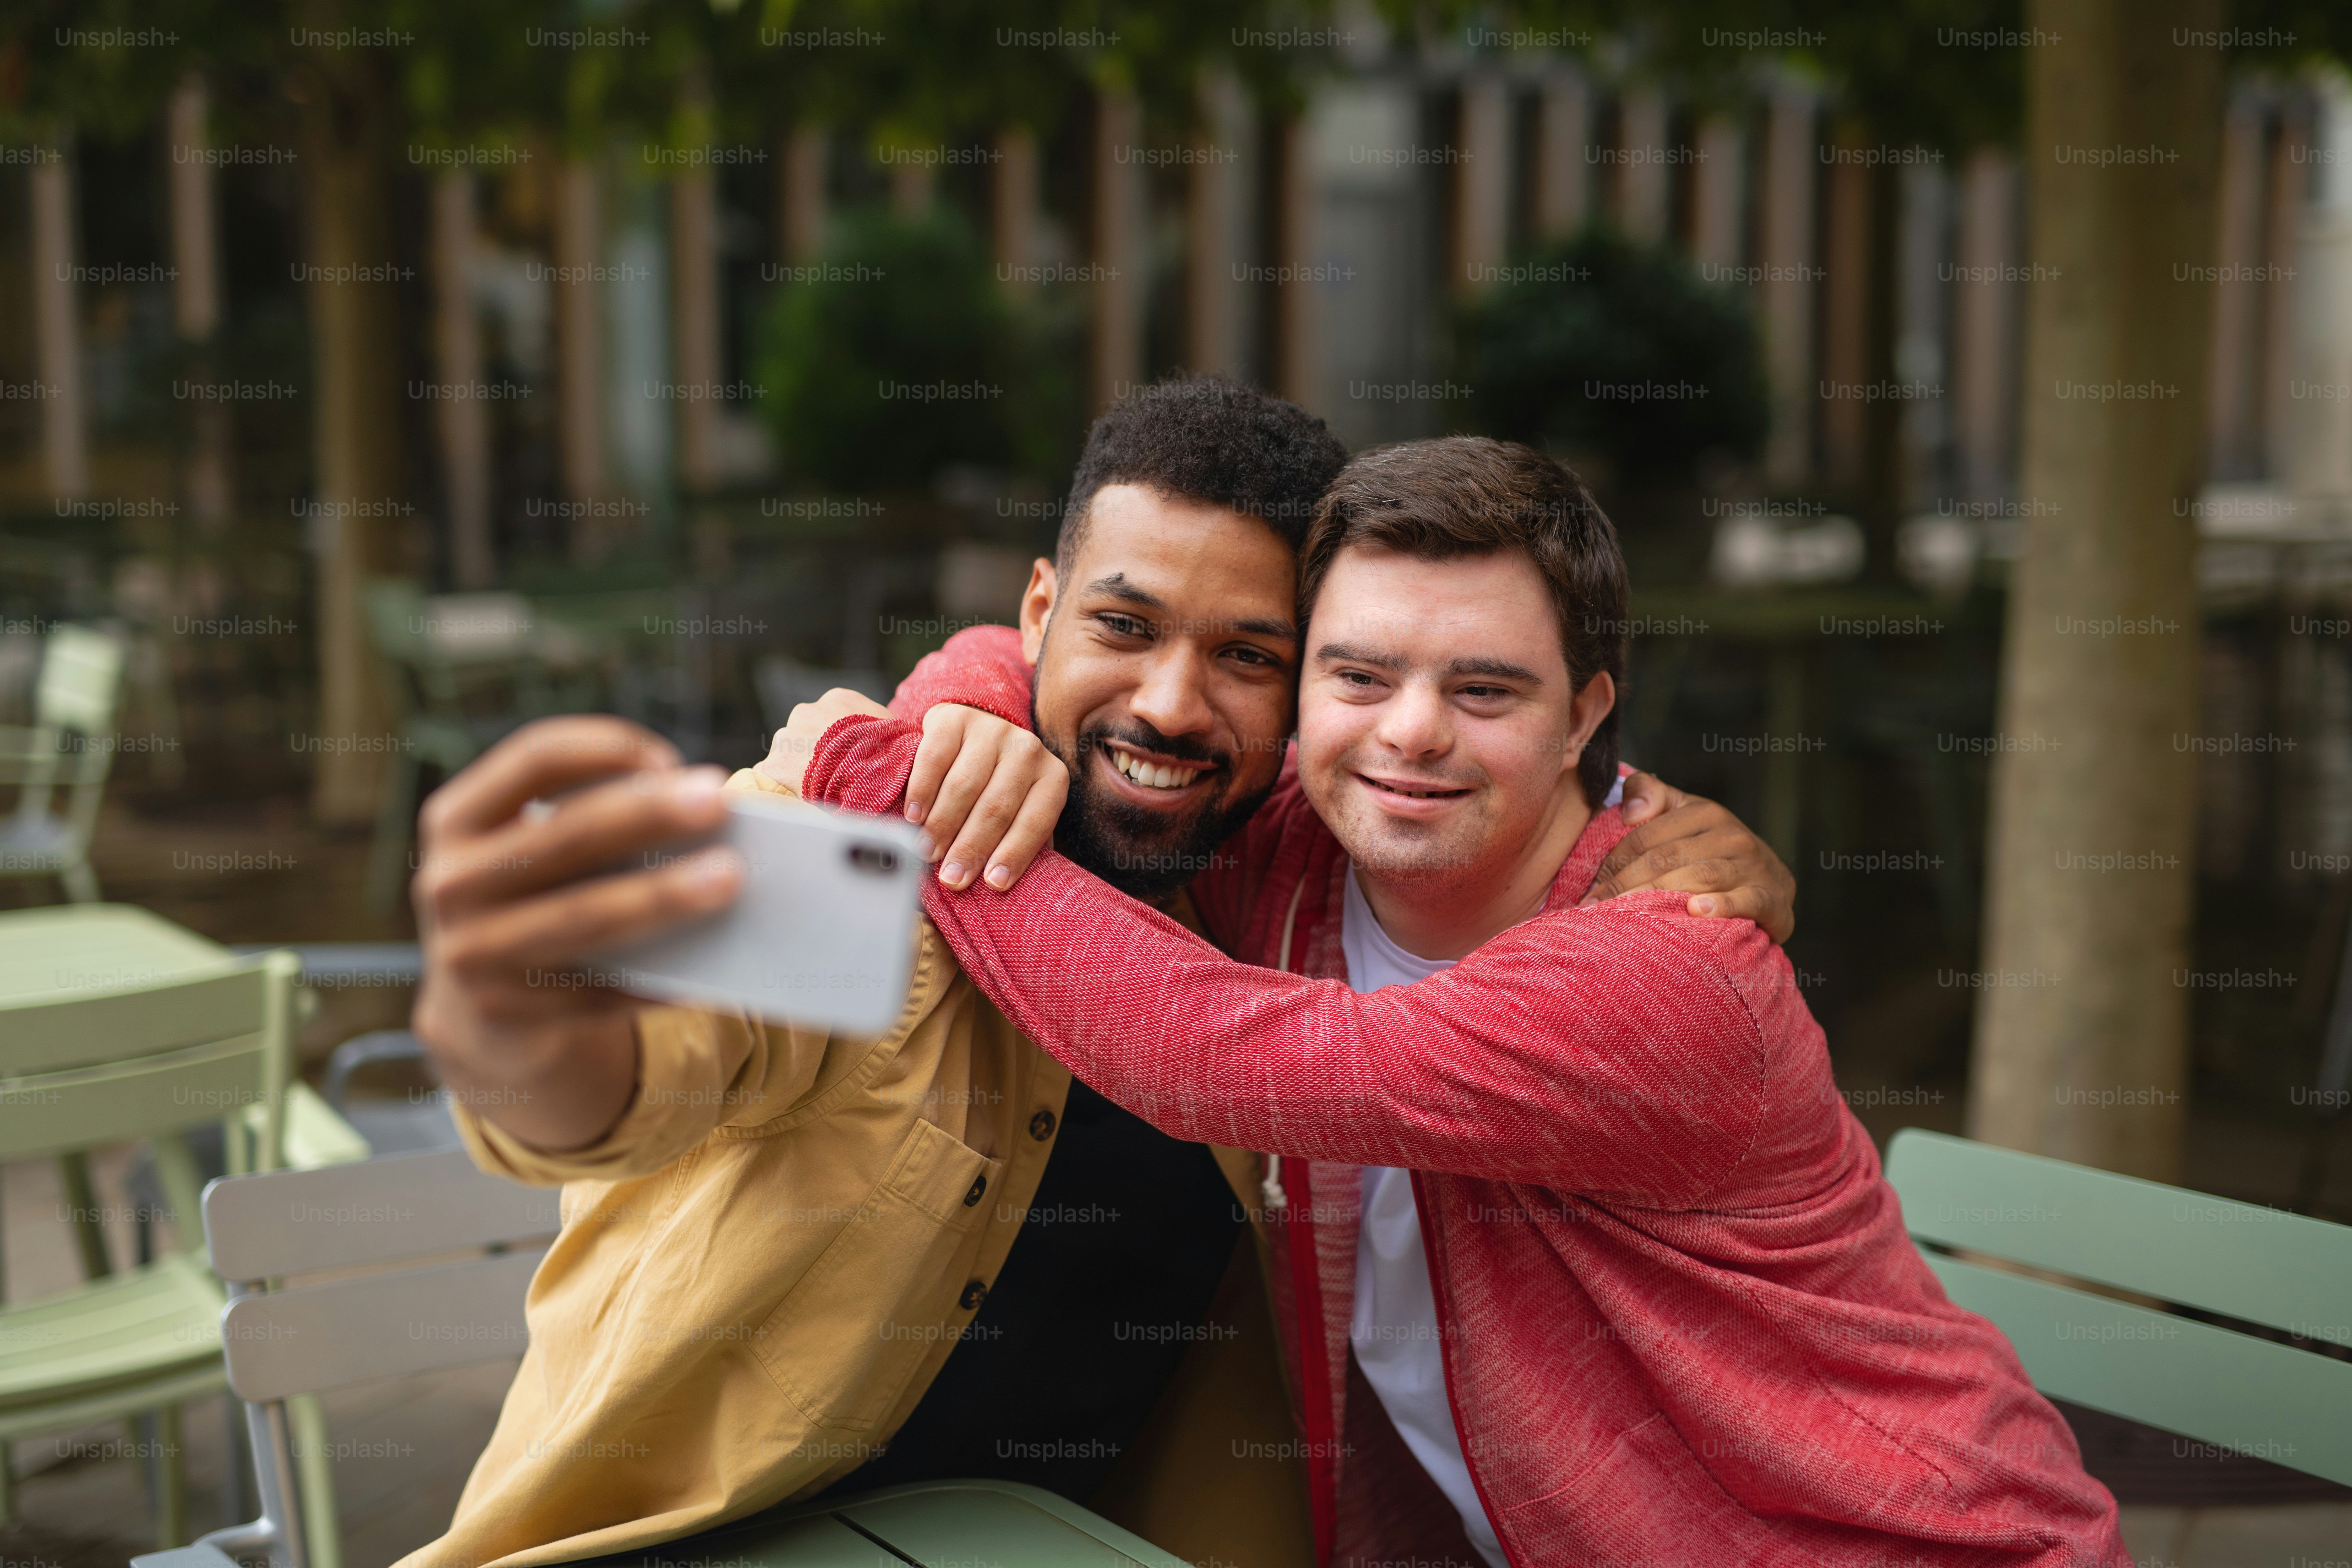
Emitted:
pixel 1104 1288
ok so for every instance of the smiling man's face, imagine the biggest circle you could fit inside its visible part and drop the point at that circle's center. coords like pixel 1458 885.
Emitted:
pixel 1166 665
pixel 1438 726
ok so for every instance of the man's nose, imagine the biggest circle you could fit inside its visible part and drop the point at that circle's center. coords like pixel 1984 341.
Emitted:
pixel 1173 698
pixel 1415 722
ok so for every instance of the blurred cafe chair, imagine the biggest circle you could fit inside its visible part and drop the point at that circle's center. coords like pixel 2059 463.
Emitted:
pixel 2061 1258
pixel 68 747
pixel 82 1068
pixel 394 1303
pixel 465 670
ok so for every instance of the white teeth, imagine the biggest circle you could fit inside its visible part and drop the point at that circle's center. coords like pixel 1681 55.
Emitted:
pixel 1152 775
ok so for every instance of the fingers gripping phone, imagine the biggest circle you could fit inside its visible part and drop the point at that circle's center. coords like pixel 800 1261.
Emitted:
pixel 822 934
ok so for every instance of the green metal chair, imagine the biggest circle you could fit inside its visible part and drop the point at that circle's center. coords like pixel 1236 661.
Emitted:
pixel 2249 1396
pixel 70 747
pixel 83 1068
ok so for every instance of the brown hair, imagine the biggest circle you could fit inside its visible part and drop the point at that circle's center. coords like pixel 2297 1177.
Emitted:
pixel 1466 495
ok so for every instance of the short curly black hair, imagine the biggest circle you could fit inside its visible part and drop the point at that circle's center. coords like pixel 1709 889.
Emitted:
pixel 1207 439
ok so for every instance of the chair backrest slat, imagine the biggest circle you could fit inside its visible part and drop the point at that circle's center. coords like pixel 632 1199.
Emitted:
pixel 56 1114
pixel 373 1211
pixel 209 1037
pixel 2266 1266
pixel 308 1339
pixel 2238 1393
pixel 2242 1396
pixel 166 1014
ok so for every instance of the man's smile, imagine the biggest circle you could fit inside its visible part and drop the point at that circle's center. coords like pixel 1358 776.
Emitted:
pixel 1159 779
pixel 1410 796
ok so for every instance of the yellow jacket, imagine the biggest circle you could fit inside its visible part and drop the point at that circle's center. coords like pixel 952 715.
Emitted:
pixel 768 1258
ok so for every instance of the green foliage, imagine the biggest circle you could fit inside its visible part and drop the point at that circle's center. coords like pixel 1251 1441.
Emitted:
pixel 1602 345
pixel 903 357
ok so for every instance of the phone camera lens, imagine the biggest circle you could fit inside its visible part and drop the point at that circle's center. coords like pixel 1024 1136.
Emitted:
pixel 874 859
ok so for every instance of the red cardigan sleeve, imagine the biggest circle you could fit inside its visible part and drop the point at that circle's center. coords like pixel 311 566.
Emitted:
pixel 980 666
pixel 1611 1050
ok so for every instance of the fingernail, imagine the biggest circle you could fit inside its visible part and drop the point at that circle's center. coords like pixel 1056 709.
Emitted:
pixel 1000 877
pixel 952 874
pixel 1704 906
pixel 1589 899
pixel 697 786
pixel 914 811
pixel 928 849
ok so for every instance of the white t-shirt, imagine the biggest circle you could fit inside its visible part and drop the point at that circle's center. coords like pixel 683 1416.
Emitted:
pixel 1394 1329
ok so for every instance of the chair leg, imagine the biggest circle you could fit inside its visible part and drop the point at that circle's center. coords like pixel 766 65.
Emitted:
pixel 315 1473
pixel 81 1203
pixel 395 822
pixel 170 1481
pixel 237 1494
pixel 81 882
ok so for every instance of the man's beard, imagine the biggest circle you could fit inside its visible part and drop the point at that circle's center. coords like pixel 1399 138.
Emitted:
pixel 1143 853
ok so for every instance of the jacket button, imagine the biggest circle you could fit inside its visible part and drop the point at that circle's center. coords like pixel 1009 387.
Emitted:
pixel 1041 1126
pixel 974 1293
pixel 979 1185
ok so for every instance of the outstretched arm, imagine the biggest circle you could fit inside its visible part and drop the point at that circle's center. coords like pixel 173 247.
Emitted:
pixel 1611 1050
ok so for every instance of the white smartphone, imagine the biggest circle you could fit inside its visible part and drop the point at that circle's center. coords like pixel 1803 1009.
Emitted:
pixel 823 934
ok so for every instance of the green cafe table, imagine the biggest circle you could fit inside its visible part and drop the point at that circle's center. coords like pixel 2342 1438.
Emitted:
pixel 932 1524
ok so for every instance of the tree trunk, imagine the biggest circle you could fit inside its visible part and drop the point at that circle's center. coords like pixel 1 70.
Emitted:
pixel 1845 320
pixel 355 434
pixel 1214 225
pixel 1482 183
pixel 580 347
pixel 1119 220
pixel 1983 380
pixel 465 421
pixel 1013 198
pixel 1562 189
pixel 2082 1019
pixel 1786 293
pixel 695 326
pixel 1644 191
pixel 56 325
pixel 801 193
pixel 1297 318
pixel 1719 200
pixel 195 294
pixel 1879 501
pixel 913 186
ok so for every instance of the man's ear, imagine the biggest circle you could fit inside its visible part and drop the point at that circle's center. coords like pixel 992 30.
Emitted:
pixel 1589 707
pixel 1038 609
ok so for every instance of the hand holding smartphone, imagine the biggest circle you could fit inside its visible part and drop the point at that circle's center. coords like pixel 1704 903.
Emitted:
pixel 822 935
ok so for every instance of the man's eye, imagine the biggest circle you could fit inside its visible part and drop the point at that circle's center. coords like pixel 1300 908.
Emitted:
pixel 1485 693
pixel 1123 626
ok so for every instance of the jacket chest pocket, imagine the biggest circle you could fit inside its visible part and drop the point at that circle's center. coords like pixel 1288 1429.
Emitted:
pixel 847 1336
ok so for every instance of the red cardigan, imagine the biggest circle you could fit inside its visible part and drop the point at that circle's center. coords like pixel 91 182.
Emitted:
pixel 1681 1321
